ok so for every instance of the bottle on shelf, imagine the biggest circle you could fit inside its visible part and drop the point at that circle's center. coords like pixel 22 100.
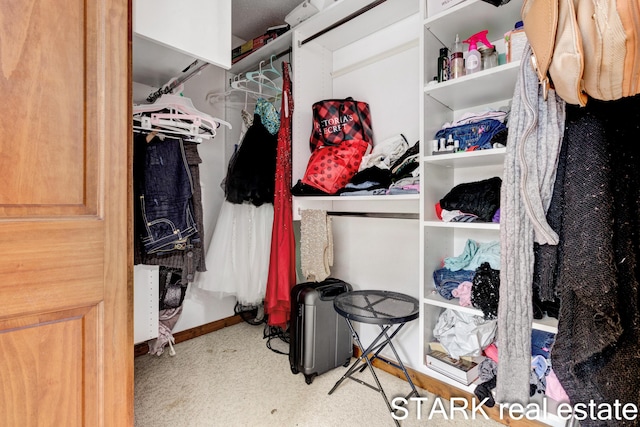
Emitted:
pixel 443 65
pixel 456 64
pixel 473 61
pixel 450 143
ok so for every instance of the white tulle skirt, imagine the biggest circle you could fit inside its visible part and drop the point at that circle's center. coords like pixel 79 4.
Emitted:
pixel 238 258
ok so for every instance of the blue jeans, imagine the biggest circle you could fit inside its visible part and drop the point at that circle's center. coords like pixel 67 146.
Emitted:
pixel 165 197
pixel 446 280
pixel 541 340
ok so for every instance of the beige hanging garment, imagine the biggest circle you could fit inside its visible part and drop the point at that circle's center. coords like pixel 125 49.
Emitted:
pixel 316 245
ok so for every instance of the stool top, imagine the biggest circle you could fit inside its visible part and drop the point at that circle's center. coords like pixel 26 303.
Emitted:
pixel 377 307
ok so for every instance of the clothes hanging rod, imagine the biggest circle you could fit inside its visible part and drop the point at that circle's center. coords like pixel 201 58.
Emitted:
pixel 385 215
pixel 342 21
pixel 191 71
pixel 274 56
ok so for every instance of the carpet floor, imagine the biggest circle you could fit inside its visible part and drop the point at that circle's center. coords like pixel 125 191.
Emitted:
pixel 230 378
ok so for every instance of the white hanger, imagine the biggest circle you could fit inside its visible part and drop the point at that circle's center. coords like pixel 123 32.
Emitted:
pixel 244 85
pixel 182 118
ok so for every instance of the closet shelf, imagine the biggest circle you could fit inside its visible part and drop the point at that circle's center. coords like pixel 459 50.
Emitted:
pixel 402 205
pixel 280 44
pixel 462 19
pixel 432 297
pixel 367 23
pixel 463 225
pixel 468 91
pixel 491 157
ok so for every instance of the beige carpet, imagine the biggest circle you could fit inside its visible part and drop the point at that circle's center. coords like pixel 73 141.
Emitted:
pixel 230 378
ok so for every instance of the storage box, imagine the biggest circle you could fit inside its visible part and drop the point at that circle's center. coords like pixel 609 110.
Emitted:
pixel 302 12
pixel 462 370
pixel 436 6
pixel 251 46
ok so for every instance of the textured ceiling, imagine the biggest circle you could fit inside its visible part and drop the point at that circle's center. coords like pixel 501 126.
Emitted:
pixel 251 18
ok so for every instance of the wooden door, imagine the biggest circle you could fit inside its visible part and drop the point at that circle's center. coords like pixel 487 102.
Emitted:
pixel 66 347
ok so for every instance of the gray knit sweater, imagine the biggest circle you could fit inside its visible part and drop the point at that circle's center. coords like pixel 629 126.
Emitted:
pixel 533 145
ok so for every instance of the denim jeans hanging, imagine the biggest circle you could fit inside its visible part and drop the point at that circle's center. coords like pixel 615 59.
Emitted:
pixel 165 197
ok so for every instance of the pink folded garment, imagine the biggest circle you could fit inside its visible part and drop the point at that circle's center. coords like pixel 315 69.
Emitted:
pixel 463 291
pixel 554 388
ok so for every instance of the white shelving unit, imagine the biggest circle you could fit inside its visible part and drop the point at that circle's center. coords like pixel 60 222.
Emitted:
pixel 347 61
pixel 444 102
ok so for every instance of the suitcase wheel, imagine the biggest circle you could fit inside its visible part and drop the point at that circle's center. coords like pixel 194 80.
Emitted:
pixel 346 363
pixel 309 378
pixel 294 370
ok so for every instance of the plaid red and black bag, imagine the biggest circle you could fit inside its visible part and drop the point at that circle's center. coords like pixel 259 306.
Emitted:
pixel 337 120
pixel 341 136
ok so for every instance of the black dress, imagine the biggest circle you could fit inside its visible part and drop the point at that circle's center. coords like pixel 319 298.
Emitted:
pixel 251 172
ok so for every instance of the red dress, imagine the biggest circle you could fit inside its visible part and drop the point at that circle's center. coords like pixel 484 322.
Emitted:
pixel 282 261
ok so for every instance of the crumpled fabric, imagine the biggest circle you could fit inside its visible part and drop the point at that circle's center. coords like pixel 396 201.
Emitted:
pixel 167 321
pixel 445 280
pixel 487 370
pixel 463 334
pixel 463 292
pixel 485 292
pixel 474 254
pixel 385 153
pixel 480 198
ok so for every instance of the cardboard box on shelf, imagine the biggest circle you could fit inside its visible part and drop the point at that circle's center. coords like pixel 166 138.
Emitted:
pixel 251 46
pixel 463 370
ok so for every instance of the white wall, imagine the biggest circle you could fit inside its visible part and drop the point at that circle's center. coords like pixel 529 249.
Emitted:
pixel 201 308
pixel 380 254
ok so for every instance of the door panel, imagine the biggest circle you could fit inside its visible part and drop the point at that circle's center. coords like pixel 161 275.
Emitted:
pixel 66 353
pixel 42 366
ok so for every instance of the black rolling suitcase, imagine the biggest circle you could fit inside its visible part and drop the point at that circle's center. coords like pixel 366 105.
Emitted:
pixel 320 339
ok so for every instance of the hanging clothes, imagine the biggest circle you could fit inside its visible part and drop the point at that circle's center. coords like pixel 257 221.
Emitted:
pixel 189 254
pixel 238 257
pixel 282 263
pixel 596 273
pixel 316 245
pixel 250 176
pixel 269 115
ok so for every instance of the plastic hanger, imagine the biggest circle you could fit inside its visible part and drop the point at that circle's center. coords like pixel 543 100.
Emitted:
pixel 261 78
pixel 181 104
pixel 173 114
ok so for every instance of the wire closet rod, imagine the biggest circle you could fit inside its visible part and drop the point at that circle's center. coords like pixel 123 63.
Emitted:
pixel 274 57
pixel 180 80
pixel 385 215
pixel 342 21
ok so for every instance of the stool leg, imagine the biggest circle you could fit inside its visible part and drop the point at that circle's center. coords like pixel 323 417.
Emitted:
pixel 384 330
pixel 364 354
pixel 404 370
pixel 375 377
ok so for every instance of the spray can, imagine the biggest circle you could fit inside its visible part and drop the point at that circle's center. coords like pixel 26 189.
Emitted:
pixel 456 64
pixel 443 65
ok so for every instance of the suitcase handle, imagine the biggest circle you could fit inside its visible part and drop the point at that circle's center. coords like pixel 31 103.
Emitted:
pixel 330 291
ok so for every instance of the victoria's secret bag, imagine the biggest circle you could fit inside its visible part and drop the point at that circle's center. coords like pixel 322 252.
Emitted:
pixel 340 137
pixel 336 120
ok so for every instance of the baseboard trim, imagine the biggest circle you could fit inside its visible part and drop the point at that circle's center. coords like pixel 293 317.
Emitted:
pixel 447 391
pixel 143 348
